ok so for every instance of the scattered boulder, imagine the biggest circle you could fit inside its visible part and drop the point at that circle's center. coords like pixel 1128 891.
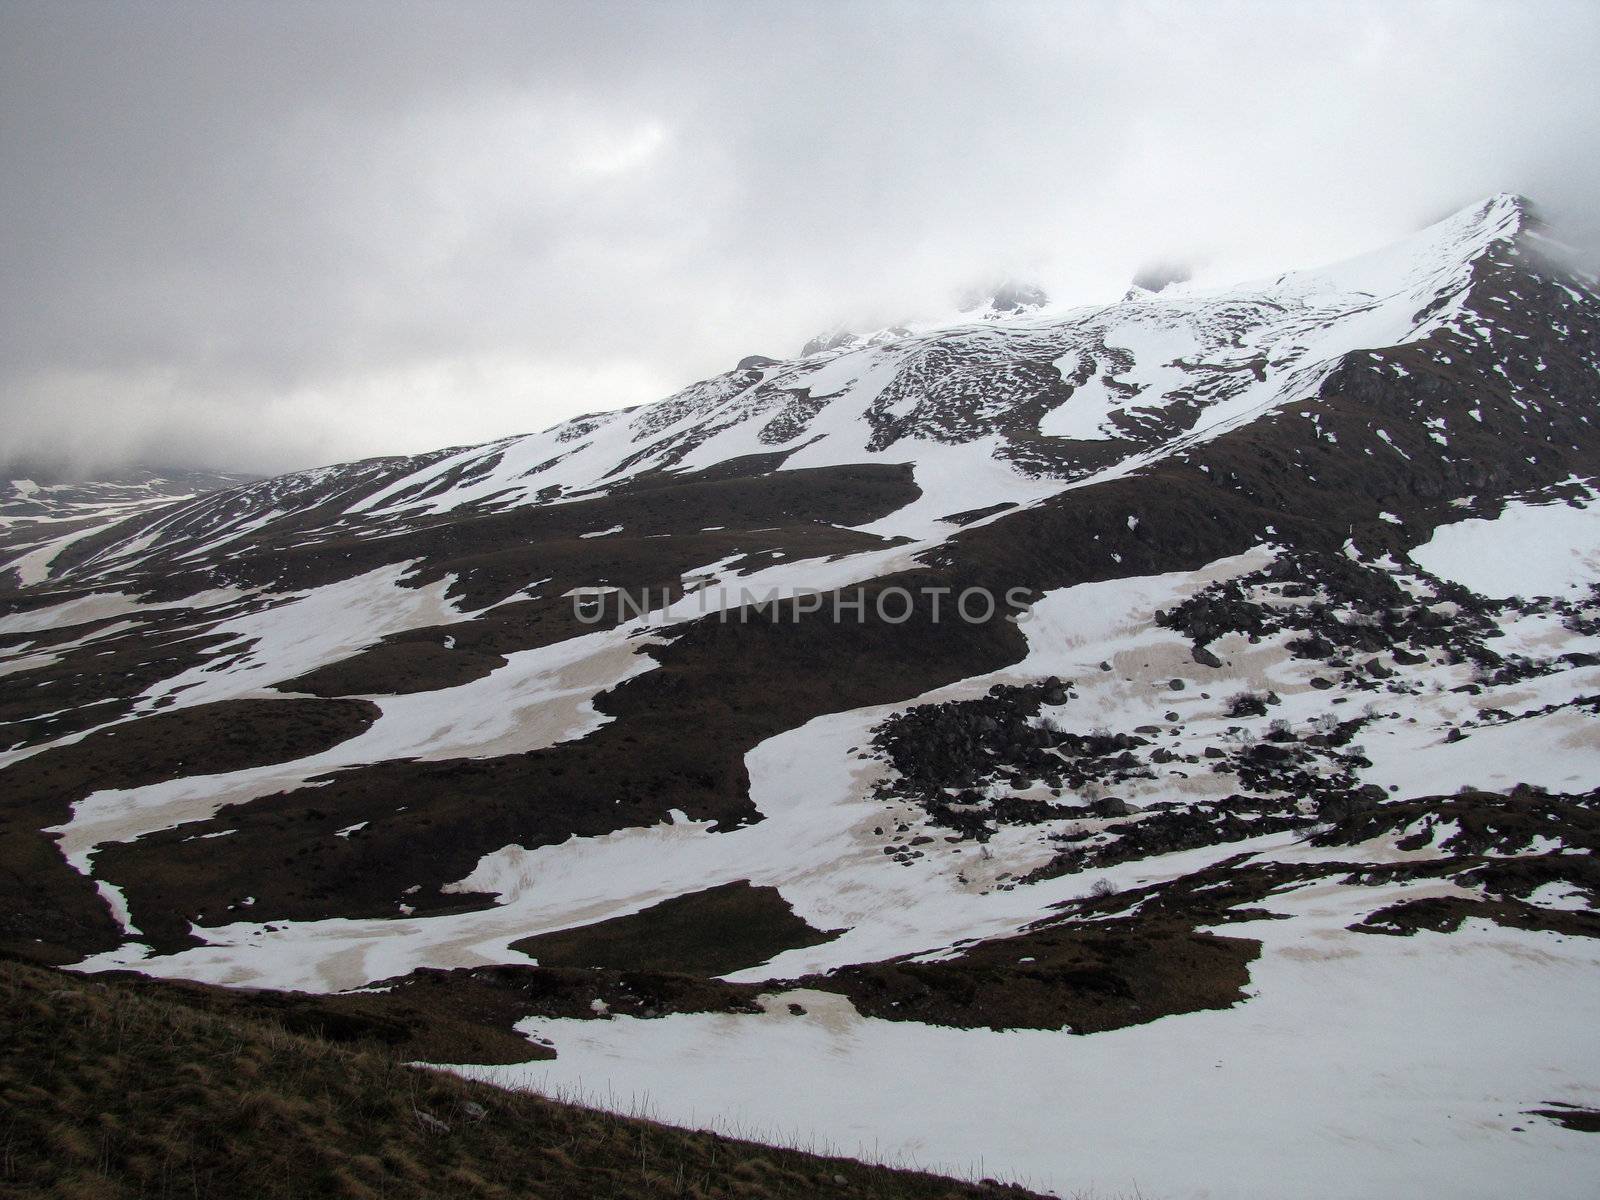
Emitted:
pixel 430 1122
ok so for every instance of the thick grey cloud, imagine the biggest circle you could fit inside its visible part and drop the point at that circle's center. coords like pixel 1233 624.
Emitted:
pixel 264 235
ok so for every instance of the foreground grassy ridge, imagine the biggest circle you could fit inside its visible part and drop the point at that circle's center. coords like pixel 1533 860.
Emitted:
pixel 108 1091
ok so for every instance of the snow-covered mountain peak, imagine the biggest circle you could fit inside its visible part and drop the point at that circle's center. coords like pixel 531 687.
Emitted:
pixel 1036 389
pixel 1004 298
pixel 984 412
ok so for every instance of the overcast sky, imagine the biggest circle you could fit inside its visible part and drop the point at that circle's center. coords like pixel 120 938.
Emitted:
pixel 263 236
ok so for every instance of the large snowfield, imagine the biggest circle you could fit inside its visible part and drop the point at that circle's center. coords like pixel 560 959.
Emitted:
pixel 1361 1067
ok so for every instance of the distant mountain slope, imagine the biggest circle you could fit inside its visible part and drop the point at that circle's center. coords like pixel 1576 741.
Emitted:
pixel 1034 698
pixel 40 516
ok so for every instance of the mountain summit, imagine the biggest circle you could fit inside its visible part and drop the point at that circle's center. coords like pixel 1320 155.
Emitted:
pixel 989 411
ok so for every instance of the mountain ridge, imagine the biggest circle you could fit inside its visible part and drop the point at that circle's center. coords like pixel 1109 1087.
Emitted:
pixel 353 728
pixel 494 473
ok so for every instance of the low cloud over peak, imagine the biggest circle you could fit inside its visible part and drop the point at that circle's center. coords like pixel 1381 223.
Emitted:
pixel 266 235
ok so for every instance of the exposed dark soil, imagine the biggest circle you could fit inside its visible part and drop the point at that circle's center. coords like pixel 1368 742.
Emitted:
pixel 1444 914
pixel 1570 1116
pixel 711 932
pixel 209 739
pixel 1086 978
pixel 47 909
pixel 411 662
pixel 503 995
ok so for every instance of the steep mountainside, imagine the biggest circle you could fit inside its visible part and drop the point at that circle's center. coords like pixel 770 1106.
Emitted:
pixel 1171 756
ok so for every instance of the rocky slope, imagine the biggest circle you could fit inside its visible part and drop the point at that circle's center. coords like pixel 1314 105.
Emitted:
pixel 1026 734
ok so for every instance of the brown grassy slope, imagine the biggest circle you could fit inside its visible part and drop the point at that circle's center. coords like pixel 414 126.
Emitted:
pixel 106 1091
